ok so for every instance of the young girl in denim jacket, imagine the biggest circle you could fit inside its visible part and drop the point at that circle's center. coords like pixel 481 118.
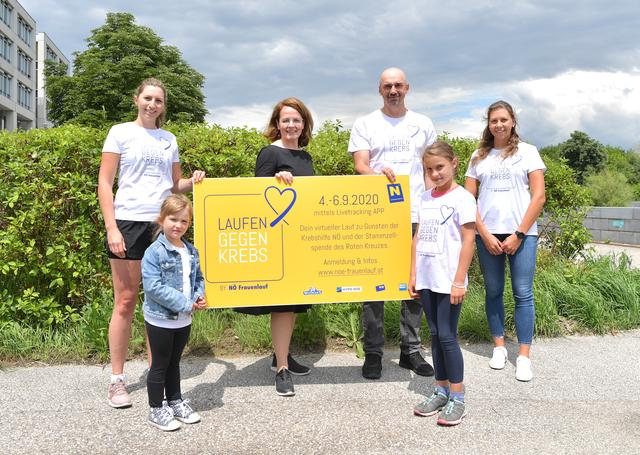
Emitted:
pixel 173 289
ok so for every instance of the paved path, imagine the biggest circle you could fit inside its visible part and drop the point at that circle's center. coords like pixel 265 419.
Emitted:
pixel 609 248
pixel 584 399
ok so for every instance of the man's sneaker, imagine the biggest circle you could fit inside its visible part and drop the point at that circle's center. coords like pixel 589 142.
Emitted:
pixel 453 413
pixel 416 363
pixel 163 418
pixel 284 383
pixel 431 405
pixel 183 411
pixel 523 369
pixel 294 367
pixel 118 396
pixel 499 358
pixel 372 368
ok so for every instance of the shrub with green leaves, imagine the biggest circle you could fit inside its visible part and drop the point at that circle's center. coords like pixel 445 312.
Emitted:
pixel 609 188
pixel 563 231
pixel 50 249
pixel 55 277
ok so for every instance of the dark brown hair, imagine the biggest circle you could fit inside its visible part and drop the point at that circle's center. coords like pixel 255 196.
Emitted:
pixel 486 142
pixel 273 133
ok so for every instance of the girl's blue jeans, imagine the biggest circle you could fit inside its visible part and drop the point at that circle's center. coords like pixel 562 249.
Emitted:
pixel 522 266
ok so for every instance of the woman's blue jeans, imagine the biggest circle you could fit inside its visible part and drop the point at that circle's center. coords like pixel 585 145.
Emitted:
pixel 522 266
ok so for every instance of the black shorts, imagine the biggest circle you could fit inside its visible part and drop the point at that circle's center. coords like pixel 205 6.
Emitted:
pixel 138 235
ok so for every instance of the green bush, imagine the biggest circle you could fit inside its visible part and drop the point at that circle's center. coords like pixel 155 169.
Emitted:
pixel 55 284
pixel 609 189
pixel 563 231
pixel 50 250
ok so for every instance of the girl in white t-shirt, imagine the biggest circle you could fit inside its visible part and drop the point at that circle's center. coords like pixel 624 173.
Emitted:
pixel 440 256
pixel 507 176
pixel 146 160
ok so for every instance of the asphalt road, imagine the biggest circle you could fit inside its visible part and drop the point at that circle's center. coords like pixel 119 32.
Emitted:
pixel 584 399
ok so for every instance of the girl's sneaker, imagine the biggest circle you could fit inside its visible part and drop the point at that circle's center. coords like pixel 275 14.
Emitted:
pixel 163 418
pixel 183 411
pixel 453 413
pixel 499 358
pixel 431 405
pixel 523 369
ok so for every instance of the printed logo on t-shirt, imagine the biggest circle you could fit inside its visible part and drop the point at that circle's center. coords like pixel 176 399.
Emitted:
pixel 154 159
pixel 398 150
pixel 431 232
pixel 500 179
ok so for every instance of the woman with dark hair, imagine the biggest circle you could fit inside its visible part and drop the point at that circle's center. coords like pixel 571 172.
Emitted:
pixel 289 130
pixel 507 177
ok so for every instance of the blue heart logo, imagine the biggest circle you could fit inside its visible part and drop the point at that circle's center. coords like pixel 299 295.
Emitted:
pixel 446 213
pixel 280 202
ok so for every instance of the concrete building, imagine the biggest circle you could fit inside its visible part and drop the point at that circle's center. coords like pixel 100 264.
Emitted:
pixel 22 61
pixel 17 67
pixel 45 50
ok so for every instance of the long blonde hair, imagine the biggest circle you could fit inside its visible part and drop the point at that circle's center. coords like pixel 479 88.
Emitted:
pixel 486 142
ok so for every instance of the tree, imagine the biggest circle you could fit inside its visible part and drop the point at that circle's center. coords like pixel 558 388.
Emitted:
pixel 609 188
pixel 119 55
pixel 583 154
pixel 626 162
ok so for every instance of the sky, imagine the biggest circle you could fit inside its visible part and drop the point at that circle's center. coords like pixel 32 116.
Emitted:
pixel 563 65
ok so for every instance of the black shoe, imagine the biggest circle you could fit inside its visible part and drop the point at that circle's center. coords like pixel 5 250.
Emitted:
pixel 415 363
pixel 372 368
pixel 294 367
pixel 284 383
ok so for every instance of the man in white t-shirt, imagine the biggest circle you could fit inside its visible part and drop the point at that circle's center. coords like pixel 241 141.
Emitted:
pixel 391 141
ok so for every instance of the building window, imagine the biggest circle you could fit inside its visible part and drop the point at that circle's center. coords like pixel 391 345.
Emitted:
pixel 25 63
pixel 5 12
pixel 5 48
pixel 25 31
pixel 5 84
pixel 24 96
pixel 51 55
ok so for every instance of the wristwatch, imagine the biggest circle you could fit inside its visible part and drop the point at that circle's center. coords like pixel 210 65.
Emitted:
pixel 519 234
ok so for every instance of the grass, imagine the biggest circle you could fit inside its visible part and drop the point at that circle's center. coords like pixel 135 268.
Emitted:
pixel 594 295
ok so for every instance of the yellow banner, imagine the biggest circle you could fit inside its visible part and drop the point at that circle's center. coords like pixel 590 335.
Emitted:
pixel 320 240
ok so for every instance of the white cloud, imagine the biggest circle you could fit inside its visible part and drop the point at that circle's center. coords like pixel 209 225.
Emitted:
pixel 565 65
pixel 605 105
pixel 252 116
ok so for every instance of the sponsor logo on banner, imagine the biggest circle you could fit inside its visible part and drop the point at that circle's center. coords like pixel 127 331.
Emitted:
pixel 349 289
pixel 395 192
pixel 403 286
pixel 380 288
pixel 312 291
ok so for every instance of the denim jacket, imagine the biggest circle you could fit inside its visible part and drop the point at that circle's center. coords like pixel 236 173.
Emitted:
pixel 162 280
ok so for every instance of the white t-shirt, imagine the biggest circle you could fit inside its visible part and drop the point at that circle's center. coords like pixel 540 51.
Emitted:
pixel 145 175
pixel 504 194
pixel 397 143
pixel 184 319
pixel 439 240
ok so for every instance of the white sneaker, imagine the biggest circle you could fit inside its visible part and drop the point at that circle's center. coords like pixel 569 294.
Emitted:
pixel 523 369
pixel 499 358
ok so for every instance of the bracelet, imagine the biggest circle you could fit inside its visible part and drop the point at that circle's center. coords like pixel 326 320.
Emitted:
pixel 457 285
